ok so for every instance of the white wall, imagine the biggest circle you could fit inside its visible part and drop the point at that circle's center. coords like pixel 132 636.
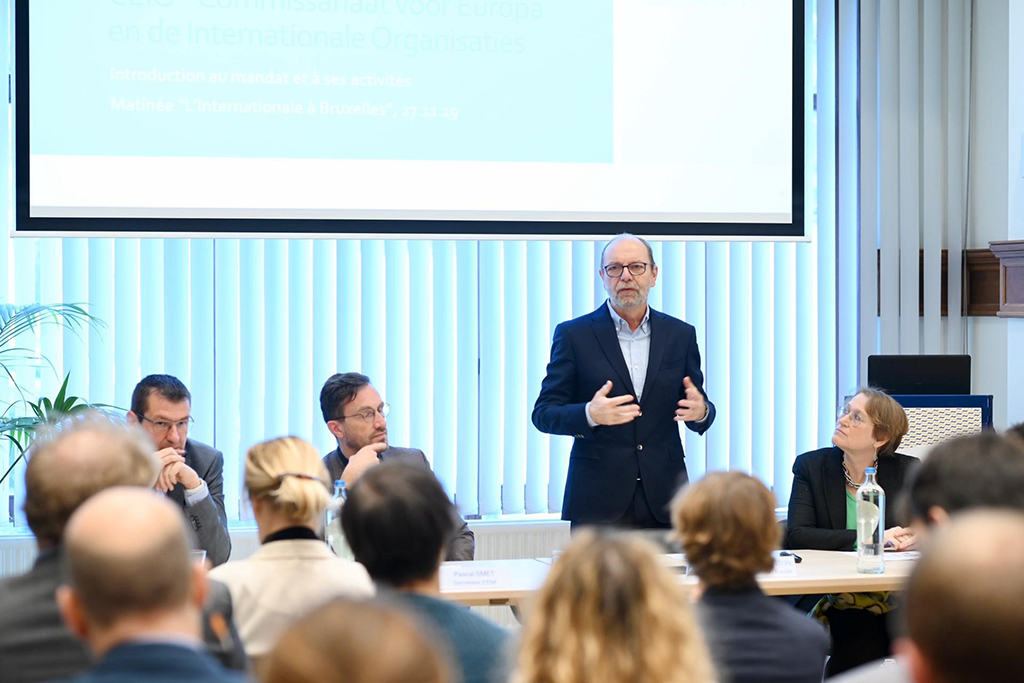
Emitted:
pixel 989 201
pixel 1015 120
pixel 1015 192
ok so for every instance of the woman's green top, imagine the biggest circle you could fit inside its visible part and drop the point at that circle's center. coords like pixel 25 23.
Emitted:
pixel 851 511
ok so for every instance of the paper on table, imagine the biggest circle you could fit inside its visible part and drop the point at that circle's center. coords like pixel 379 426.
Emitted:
pixel 890 555
pixel 901 555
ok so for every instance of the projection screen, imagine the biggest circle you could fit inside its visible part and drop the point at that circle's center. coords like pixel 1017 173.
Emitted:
pixel 457 118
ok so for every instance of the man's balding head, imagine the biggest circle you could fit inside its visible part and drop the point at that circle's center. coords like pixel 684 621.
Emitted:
pixel 628 237
pixel 964 599
pixel 75 460
pixel 127 555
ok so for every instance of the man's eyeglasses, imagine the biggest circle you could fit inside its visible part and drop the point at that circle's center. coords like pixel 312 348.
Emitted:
pixel 857 419
pixel 615 269
pixel 368 415
pixel 162 427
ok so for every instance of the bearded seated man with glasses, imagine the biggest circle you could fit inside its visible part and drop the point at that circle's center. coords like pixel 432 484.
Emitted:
pixel 357 417
pixel 192 473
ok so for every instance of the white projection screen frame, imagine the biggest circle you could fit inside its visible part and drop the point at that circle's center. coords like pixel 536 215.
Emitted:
pixel 449 119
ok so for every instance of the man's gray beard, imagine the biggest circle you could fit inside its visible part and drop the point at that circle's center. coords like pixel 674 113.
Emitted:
pixel 640 302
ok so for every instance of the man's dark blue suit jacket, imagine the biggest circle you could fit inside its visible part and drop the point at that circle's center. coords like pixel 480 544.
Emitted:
pixel 158 663
pixel 606 460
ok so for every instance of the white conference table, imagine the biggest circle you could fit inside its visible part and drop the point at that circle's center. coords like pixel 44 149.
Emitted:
pixel 512 582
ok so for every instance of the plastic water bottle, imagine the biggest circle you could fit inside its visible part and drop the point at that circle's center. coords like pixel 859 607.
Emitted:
pixel 870 525
pixel 332 522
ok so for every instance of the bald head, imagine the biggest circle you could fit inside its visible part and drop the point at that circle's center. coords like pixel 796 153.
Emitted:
pixel 627 237
pixel 964 601
pixel 76 459
pixel 127 553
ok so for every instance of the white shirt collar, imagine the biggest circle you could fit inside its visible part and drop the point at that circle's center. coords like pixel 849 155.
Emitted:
pixel 619 321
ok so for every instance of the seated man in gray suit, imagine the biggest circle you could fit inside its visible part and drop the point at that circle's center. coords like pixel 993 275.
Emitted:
pixel 357 417
pixel 192 473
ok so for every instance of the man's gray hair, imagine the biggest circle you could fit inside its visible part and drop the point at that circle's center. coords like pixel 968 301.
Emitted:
pixel 75 459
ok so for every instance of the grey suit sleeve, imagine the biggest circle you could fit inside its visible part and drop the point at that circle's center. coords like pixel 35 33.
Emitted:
pixel 219 632
pixel 208 518
pixel 463 545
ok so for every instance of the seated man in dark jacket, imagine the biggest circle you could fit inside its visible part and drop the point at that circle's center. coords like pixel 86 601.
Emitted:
pixel 357 417
pixel 134 594
pixel 726 525
pixel 67 467
pixel 397 521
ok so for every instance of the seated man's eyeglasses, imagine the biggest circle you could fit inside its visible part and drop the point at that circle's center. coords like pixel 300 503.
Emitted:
pixel 368 415
pixel 635 269
pixel 161 426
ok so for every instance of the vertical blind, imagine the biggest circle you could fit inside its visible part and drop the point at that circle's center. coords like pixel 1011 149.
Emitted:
pixel 914 97
pixel 455 335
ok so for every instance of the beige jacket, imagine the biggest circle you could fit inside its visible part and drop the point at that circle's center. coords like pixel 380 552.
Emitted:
pixel 283 581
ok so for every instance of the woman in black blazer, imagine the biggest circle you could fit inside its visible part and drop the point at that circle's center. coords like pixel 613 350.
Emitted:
pixel 868 432
pixel 822 516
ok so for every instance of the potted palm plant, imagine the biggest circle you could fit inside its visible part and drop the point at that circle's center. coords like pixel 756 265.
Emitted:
pixel 21 418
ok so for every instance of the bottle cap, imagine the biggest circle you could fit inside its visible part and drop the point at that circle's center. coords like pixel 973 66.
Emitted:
pixel 869 470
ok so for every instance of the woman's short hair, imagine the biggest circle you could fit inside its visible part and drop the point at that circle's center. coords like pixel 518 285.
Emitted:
pixel 288 474
pixel 356 641
pixel 888 416
pixel 609 612
pixel 726 525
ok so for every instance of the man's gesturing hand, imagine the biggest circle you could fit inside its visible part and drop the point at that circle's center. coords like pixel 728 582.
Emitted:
pixel 364 459
pixel 612 411
pixel 692 408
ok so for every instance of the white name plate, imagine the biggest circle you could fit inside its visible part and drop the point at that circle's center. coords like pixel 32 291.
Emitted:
pixel 475 577
pixel 785 565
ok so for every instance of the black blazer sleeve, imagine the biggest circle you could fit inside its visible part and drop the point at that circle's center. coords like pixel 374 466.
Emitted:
pixel 809 523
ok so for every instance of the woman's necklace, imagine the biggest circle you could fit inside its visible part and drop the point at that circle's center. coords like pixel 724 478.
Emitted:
pixel 849 480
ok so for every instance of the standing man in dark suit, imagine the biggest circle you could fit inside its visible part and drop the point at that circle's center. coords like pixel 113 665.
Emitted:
pixel 619 381
pixel 134 594
pixel 357 417
pixel 192 473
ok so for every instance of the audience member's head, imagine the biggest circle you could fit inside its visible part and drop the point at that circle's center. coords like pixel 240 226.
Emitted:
pixel 887 419
pixel 963 602
pixel 981 470
pixel 72 461
pixel 726 525
pixel 356 641
pixel 354 412
pixel 398 521
pixel 129 570
pixel 287 484
pixel 610 612
pixel 1017 432
pixel 162 406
